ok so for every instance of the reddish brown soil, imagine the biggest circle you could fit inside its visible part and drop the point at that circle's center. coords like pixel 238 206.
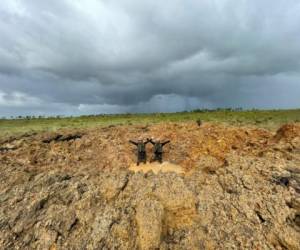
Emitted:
pixel 109 148
pixel 73 189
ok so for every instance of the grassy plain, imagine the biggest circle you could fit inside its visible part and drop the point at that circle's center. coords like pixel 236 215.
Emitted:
pixel 269 119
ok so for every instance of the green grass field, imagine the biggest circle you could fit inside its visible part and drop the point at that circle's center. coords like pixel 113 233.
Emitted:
pixel 270 119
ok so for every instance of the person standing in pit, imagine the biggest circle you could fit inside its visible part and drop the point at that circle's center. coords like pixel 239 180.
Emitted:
pixel 141 150
pixel 158 149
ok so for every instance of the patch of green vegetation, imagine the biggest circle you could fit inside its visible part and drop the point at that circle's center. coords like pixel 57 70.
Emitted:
pixel 269 119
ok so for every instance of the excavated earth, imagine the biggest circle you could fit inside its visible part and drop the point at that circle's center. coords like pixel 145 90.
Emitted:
pixel 236 188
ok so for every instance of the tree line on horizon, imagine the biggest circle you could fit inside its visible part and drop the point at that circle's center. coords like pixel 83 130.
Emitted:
pixel 205 110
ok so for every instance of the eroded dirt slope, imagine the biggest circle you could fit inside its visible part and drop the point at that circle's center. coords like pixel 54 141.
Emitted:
pixel 73 189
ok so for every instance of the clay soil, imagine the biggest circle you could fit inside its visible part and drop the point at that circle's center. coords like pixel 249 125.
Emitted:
pixel 221 187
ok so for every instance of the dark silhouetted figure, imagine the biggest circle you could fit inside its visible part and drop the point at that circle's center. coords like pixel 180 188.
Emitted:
pixel 158 149
pixel 199 122
pixel 141 150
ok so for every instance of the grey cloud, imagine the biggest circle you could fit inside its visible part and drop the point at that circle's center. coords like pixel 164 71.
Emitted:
pixel 111 56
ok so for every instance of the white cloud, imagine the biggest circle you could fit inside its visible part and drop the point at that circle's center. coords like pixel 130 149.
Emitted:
pixel 18 99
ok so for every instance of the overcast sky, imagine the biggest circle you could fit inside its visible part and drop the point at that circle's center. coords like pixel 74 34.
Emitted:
pixel 114 56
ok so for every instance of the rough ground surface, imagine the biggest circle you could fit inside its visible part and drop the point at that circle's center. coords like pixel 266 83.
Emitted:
pixel 73 190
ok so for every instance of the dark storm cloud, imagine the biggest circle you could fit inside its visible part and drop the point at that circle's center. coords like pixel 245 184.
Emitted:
pixel 124 56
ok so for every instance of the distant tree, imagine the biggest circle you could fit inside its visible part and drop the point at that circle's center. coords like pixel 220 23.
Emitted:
pixel 198 110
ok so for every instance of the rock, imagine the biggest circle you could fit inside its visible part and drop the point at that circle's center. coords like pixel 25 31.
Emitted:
pixel 295 203
pixel 248 181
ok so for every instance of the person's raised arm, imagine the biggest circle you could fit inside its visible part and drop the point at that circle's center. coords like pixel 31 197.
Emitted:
pixel 166 142
pixel 133 142
pixel 151 141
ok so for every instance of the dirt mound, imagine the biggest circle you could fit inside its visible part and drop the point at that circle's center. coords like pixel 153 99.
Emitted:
pixel 240 206
pixel 288 132
pixel 56 137
pixel 109 147
pixel 240 190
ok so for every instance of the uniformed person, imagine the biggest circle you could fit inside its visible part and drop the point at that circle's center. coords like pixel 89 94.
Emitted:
pixel 141 150
pixel 158 149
